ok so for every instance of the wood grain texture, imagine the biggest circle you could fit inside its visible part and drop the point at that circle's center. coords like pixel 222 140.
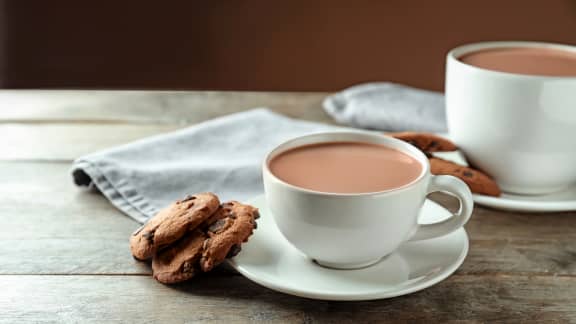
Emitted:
pixel 152 107
pixel 66 142
pixel 64 253
pixel 217 298
pixel 80 232
pixel 47 225
pixel 63 125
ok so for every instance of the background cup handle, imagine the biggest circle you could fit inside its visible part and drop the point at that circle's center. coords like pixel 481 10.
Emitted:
pixel 460 190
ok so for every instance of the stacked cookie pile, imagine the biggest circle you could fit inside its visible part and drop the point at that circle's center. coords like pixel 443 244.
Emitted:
pixel 193 235
pixel 478 181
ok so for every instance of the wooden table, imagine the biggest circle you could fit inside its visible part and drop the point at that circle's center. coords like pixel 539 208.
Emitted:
pixel 64 255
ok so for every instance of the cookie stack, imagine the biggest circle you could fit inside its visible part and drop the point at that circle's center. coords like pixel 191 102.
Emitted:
pixel 478 181
pixel 193 235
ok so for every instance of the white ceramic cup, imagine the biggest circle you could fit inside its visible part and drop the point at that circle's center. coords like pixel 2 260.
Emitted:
pixel 521 129
pixel 349 231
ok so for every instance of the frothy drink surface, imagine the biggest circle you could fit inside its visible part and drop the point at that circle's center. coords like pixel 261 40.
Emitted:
pixel 524 60
pixel 345 167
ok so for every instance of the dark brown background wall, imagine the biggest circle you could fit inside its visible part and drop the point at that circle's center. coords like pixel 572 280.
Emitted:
pixel 257 44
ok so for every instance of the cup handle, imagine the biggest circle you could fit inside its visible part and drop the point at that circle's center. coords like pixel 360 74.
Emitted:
pixel 460 190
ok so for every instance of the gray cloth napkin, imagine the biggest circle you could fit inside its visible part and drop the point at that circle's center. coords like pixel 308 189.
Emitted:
pixel 222 155
pixel 388 106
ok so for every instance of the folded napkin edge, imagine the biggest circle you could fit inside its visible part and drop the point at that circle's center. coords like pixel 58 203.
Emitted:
pixel 123 196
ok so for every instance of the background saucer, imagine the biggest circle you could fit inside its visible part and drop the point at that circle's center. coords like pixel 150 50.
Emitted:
pixel 564 200
pixel 269 260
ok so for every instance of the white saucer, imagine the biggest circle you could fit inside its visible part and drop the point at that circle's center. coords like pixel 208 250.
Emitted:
pixel 564 200
pixel 269 260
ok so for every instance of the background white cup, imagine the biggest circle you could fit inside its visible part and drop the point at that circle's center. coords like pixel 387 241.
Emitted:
pixel 350 231
pixel 521 129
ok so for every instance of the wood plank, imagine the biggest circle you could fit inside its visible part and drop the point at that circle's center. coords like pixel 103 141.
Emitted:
pixel 63 125
pixel 217 298
pixel 519 256
pixel 47 225
pixel 490 223
pixel 503 242
pixel 185 107
pixel 67 142
pixel 65 256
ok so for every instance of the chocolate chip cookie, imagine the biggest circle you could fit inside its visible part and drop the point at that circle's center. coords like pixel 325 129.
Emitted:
pixel 233 227
pixel 476 180
pixel 429 143
pixel 426 142
pixel 171 223
pixel 180 261
pixel 200 250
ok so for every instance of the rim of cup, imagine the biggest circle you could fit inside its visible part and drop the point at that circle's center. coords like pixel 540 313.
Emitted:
pixel 454 55
pixel 379 139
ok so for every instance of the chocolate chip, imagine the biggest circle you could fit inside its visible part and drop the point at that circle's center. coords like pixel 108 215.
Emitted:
pixel 226 209
pixel 217 226
pixel 188 267
pixel 255 224
pixel 467 174
pixel 234 250
pixel 149 237
pixel 433 144
pixel 232 215
pixel 256 214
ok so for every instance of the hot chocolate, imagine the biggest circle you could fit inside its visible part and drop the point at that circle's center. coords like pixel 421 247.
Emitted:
pixel 345 167
pixel 524 60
